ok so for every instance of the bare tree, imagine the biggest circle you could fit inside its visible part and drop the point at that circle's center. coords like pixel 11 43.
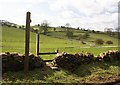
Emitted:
pixel 109 31
pixel 67 26
pixel 117 29
pixel 45 26
pixel 68 32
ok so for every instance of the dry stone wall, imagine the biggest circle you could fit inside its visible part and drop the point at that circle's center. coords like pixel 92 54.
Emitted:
pixel 71 61
pixel 15 62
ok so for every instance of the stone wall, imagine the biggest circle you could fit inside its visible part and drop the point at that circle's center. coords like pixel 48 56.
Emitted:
pixel 15 62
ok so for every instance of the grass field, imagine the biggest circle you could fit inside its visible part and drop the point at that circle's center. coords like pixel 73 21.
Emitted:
pixel 13 40
pixel 89 73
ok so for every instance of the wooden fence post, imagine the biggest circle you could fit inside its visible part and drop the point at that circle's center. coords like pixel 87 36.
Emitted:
pixel 27 41
pixel 37 43
pixel 57 51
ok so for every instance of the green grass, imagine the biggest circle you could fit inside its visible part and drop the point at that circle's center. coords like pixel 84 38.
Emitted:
pixel 88 73
pixel 13 40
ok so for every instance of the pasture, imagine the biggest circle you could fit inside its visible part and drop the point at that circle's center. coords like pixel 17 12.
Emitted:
pixel 97 72
pixel 13 40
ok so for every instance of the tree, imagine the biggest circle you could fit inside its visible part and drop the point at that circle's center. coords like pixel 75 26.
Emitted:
pixel 86 35
pixel 69 34
pixel 117 29
pixel 68 31
pixel 93 31
pixel 45 26
pixel 67 26
pixel 23 26
pixel 99 41
pixel 40 28
pixel 80 37
pixel 78 28
pixel 109 42
pixel 19 27
pixel 109 31
pixel 54 29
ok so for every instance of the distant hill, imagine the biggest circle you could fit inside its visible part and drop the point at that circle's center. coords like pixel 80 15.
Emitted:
pixel 7 23
pixel 13 40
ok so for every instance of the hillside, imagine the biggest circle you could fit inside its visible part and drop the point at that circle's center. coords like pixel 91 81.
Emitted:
pixel 13 40
pixel 96 72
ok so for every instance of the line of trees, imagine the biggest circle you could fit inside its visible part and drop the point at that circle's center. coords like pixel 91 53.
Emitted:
pixel 112 32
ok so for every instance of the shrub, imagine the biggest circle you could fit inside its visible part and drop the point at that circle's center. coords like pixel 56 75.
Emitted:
pixel 99 41
pixel 69 34
pixel 84 36
pixel 109 42
pixel 93 31
pixel 15 26
pixel 20 27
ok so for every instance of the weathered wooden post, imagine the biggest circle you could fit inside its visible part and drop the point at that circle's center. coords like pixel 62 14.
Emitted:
pixel 57 51
pixel 27 41
pixel 37 43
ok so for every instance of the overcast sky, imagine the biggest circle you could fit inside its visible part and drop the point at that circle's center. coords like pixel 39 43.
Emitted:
pixel 92 14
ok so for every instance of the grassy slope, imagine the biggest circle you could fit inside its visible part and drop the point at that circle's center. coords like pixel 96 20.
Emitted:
pixel 13 40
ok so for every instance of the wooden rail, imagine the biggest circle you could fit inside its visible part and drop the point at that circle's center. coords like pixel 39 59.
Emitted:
pixel 47 60
pixel 57 51
pixel 47 53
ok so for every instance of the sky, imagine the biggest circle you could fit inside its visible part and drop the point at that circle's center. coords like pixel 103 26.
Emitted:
pixel 89 14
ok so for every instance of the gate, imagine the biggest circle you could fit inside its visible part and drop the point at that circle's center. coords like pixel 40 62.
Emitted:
pixel 38 47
